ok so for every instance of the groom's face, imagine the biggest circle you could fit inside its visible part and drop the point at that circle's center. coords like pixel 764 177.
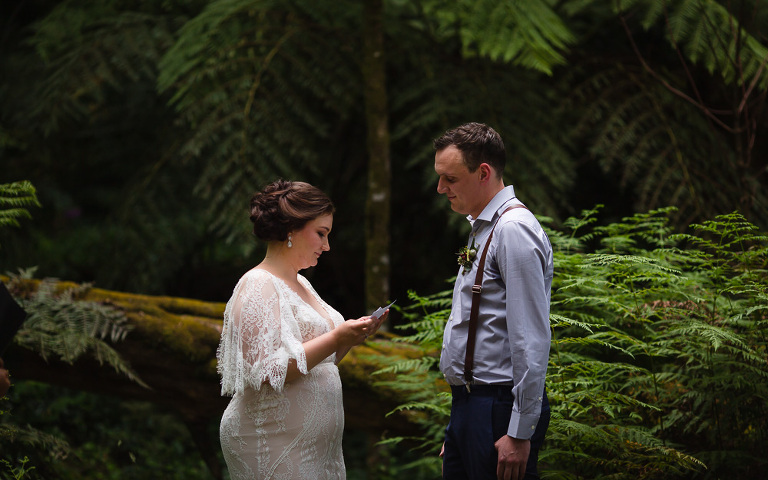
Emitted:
pixel 456 182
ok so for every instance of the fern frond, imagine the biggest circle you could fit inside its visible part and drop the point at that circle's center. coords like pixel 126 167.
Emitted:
pixel 90 49
pixel 443 410
pixel 560 321
pixel 14 199
pixel 260 99
pixel 414 365
pixel 709 34
pixel 62 327
pixel 529 34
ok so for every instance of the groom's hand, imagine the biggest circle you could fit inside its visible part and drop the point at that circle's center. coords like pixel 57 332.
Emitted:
pixel 513 457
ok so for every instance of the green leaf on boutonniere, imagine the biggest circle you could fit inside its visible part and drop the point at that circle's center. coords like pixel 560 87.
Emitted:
pixel 467 256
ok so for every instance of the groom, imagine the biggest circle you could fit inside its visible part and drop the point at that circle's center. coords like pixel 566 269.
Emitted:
pixel 499 409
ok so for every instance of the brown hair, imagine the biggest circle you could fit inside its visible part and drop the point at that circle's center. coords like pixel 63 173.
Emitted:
pixel 284 206
pixel 478 143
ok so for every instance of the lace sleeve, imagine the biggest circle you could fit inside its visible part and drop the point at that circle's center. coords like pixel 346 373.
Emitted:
pixel 259 337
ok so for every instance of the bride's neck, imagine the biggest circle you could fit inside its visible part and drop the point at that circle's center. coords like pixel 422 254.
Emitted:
pixel 278 262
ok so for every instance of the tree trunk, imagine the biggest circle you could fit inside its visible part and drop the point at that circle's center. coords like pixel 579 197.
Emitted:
pixel 377 206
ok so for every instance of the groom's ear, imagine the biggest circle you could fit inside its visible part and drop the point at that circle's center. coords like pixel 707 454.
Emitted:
pixel 486 172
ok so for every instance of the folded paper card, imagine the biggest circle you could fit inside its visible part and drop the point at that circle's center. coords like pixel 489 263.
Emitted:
pixel 380 311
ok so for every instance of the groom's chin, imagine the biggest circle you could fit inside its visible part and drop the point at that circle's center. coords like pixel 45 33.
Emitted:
pixel 456 209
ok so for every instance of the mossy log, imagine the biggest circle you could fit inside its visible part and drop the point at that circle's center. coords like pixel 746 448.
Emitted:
pixel 172 347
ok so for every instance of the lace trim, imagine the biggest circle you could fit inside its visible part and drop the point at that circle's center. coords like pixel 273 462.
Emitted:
pixel 265 325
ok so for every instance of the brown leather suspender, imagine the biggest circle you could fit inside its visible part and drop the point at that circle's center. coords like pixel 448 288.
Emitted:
pixel 477 288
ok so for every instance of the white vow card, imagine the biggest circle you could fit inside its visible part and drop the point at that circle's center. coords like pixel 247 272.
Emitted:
pixel 380 311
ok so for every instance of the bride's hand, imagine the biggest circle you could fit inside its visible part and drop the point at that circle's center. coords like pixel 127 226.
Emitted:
pixel 376 323
pixel 354 332
pixel 379 322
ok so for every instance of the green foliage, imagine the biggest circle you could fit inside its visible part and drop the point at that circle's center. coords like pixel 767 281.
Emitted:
pixel 15 473
pixel 419 380
pixel 97 436
pixel 148 124
pixel 657 368
pixel 711 35
pixel 59 326
pixel 92 49
pixel 529 34
pixel 19 442
pixel 274 89
pixel 634 128
pixel 14 198
pixel 262 86
pixel 663 123
pixel 90 130
pixel 139 194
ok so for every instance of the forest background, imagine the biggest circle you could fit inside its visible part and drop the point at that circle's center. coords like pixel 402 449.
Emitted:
pixel 146 125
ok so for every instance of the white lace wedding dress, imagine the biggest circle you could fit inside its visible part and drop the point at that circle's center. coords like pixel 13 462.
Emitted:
pixel 272 429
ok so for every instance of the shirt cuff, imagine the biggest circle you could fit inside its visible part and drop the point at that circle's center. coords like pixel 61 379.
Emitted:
pixel 522 426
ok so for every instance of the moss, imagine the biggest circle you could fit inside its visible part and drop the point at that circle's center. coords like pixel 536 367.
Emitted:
pixel 183 335
pixel 185 327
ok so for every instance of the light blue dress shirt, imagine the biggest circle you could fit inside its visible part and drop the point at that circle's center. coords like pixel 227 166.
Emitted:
pixel 513 333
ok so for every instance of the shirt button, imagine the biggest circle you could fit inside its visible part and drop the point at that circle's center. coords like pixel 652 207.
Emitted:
pixel 533 427
pixel 540 398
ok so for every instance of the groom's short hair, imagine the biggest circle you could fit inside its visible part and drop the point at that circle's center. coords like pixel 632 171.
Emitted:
pixel 478 143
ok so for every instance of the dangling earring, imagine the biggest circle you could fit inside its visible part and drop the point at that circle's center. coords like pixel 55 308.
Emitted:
pixel 290 244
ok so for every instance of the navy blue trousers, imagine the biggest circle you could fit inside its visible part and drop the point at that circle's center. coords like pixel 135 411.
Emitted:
pixel 478 420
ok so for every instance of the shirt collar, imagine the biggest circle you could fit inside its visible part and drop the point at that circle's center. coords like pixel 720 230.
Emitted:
pixel 499 200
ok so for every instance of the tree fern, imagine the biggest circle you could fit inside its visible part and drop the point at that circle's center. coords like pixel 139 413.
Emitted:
pixel 266 64
pixel 711 35
pixel 95 83
pixel 90 49
pixel 668 119
pixel 528 34
pixel 634 128
pixel 253 68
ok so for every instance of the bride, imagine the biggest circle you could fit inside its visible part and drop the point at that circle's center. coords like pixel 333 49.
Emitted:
pixel 279 348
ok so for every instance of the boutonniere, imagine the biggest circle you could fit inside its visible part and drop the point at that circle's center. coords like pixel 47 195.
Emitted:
pixel 467 256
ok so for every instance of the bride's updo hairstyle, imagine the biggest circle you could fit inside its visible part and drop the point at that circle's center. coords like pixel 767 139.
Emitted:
pixel 284 206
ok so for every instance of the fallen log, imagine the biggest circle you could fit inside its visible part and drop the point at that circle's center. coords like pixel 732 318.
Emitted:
pixel 171 346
